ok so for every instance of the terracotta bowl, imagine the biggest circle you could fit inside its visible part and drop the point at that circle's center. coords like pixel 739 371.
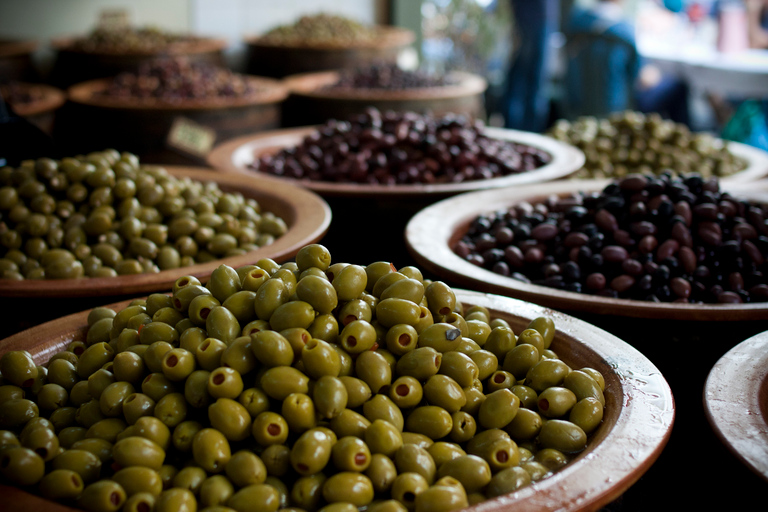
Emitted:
pixel 92 121
pixel 74 65
pixel 42 110
pixel 16 59
pixel 313 102
pixel 268 59
pixel 236 156
pixel 432 232
pixel 307 215
pixel 639 410
pixel 736 402
pixel 757 163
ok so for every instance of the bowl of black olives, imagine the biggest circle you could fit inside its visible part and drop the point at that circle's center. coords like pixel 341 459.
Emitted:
pixel 647 246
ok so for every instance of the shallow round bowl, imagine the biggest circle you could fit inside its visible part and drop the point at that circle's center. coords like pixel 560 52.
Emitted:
pixel 639 410
pixel 431 234
pixel 736 402
pixel 307 215
pixel 238 154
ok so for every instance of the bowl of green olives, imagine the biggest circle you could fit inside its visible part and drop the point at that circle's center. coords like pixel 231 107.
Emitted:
pixel 630 142
pixel 323 42
pixel 325 385
pixel 389 154
pixel 735 405
pixel 657 247
pixel 105 225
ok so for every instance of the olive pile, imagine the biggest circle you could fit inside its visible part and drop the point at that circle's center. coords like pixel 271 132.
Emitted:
pixel 633 142
pixel 103 214
pixel 388 76
pixel 644 237
pixel 174 79
pixel 312 385
pixel 395 148
pixel 322 29
pixel 129 40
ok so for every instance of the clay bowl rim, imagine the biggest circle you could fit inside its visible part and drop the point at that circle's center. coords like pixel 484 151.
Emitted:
pixel 312 85
pixel 236 154
pixel 85 93
pixel 757 162
pixel 16 47
pixel 430 233
pixel 388 37
pixel 200 45
pixel 640 408
pixel 310 218
pixel 736 402
pixel 53 99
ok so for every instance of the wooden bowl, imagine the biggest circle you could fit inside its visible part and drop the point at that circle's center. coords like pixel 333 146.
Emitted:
pixel 639 410
pixel 16 60
pixel 74 65
pixel 42 110
pixel 307 215
pixel 431 234
pixel 93 121
pixel 313 102
pixel 736 402
pixel 236 155
pixel 267 59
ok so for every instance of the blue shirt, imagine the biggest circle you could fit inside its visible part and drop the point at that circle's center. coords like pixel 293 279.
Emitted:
pixel 603 62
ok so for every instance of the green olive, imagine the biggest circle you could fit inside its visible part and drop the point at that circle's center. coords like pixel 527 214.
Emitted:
pixel 245 468
pixel 61 484
pixel 21 465
pixel 215 491
pixel 211 450
pixel 231 418
pixel 311 452
pixel 563 436
pixel 137 479
pixel 441 498
pixel 104 495
pixel 138 451
pixel 472 471
pixel 348 487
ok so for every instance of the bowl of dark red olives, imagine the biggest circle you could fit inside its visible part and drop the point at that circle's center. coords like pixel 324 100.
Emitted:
pixel 366 386
pixel 394 154
pixel 658 246
pixel 104 224
pixel 140 110
pixel 735 402
pixel 108 51
pixel 319 96
pixel 37 103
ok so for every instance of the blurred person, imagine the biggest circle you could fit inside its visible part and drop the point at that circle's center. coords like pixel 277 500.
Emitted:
pixel 757 23
pixel 605 72
pixel 526 102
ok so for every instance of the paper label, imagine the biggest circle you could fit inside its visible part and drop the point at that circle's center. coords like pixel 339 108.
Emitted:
pixel 191 137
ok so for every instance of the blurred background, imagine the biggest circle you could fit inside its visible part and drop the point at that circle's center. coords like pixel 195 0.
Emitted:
pixel 702 63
